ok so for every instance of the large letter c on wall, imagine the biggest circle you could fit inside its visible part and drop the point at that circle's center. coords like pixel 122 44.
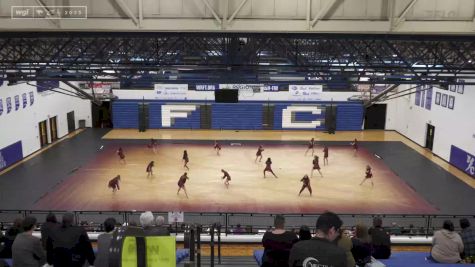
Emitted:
pixel 289 121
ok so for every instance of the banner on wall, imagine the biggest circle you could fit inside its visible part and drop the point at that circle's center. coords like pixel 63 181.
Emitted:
pixel 17 102
pixel 171 91
pixel 10 154
pixel 462 160
pixel 418 96
pixel 23 97
pixel 428 97
pixel 9 104
pixel 1 107
pixel 305 92
pixel 251 87
pixel 32 98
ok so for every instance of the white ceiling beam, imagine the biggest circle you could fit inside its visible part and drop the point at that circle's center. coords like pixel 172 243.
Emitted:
pixel 215 15
pixel 236 11
pixel 324 11
pixel 224 25
pixel 309 13
pixel 140 12
pixel 127 11
pixel 402 16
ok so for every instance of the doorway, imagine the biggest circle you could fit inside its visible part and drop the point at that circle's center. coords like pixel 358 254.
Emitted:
pixel 53 129
pixel 430 136
pixel 43 133
pixel 375 117
pixel 71 122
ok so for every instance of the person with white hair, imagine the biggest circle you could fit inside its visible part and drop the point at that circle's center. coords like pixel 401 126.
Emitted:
pixel 147 221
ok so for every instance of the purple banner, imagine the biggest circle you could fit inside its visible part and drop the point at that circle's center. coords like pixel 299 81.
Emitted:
pixel 423 97
pixel 9 104
pixel 429 98
pixel 1 107
pixel 17 102
pixel 25 102
pixel 10 155
pixel 462 160
pixel 418 96
pixel 32 98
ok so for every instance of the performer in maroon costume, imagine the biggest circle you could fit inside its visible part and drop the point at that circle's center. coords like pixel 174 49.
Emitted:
pixel 259 153
pixel 269 168
pixel 217 147
pixel 185 160
pixel 181 183
pixel 150 168
pixel 120 153
pixel 306 184
pixel 368 175
pixel 355 146
pixel 316 166
pixel 325 155
pixel 227 177
pixel 153 145
pixel 311 145
pixel 114 183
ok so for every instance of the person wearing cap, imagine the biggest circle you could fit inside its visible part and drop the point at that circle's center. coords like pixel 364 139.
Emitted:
pixel 321 249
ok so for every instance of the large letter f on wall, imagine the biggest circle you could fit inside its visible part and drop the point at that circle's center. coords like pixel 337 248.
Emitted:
pixel 170 112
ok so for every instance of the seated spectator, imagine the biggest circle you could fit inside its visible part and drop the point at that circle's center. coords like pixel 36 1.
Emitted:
pixel 446 244
pixel 344 242
pixel 277 244
pixel 304 233
pixel 361 246
pixel 46 228
pixel 9 237
pixel 320 249
pixel 380 240
pixel 103 243
pixel 162 229
pixel 69 245
pixel 239 229
pixel 468 238
pixel 27 250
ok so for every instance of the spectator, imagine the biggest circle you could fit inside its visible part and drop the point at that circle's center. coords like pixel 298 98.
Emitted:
pixel 239 229
pixel 446 244
pixel 162 229
pixel 361 246
pixel 27 250
pixel 380 240
pixel 344 242
pixel 320 249
pixel 50 224
pixel 9 237
pixel 395 229
pixel 277 244
pixel 304 233
pixel 103 243
pixel 468 238
pixel 69 245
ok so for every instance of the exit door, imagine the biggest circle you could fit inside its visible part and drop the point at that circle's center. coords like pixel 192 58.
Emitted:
pixel 430 136
pixel 43 133
pixel 53 129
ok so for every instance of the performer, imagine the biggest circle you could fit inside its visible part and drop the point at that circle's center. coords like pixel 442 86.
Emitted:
pixel 150 168
pixel 259 153
pixel 306 184
pixel 120 153
pixel 316 166
pixel 325 155
pixel 153 145
pixel 217 147
pixel 185 160
pixel 369 175
pixel 114 183
pixel 227 177
pixel 269 168
pixel 355 146
pixel 181 183
pixel 311 145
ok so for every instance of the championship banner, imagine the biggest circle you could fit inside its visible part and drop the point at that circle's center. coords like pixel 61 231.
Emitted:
pixel 305 92
pixel 32 98
pixel 9 104
pixel 23 97
pixel 462 160
pixel 17 102
pixel 1 107
pixel 171 91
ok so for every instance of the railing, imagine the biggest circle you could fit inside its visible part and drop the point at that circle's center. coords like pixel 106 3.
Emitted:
pixel 397 224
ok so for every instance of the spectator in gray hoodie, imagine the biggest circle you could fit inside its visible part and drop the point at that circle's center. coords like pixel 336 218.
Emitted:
pixel 446 244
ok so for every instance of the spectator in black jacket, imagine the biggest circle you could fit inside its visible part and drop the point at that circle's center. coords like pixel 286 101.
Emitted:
pixel 69 245
pixel 277 244
pixel 46 228
pixel 7 240
pixel 361 246
pixel 380 240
